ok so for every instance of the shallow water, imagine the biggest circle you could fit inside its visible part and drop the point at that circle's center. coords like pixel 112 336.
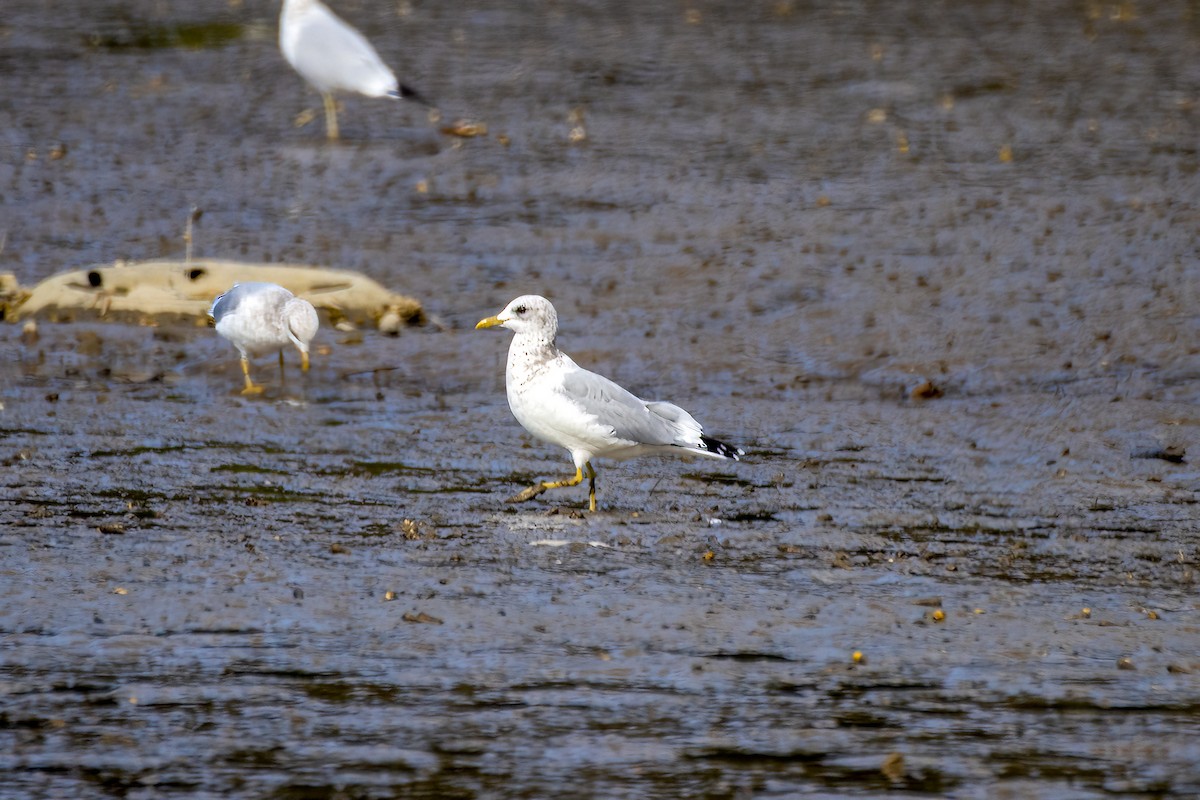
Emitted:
pixel 787 218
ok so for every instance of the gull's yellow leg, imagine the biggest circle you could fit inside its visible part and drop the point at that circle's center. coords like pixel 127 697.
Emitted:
pixel 538 488
pixel 591 486
pixel 303 360
pixel 578 479
pixel 331 126
pixel 251 386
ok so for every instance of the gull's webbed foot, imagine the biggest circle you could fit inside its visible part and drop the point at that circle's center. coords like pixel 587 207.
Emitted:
pixel 528 494
pixel 251 387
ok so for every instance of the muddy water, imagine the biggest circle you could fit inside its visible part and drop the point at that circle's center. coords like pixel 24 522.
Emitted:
pixel 933 265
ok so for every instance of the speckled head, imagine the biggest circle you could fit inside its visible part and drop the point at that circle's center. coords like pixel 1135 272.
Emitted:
pixel 528 315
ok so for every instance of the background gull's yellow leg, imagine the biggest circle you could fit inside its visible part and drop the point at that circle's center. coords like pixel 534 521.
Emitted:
pixel 331 125
pixel 251 387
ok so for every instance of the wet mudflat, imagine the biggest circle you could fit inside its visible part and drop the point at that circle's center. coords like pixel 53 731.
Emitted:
pixel 932 266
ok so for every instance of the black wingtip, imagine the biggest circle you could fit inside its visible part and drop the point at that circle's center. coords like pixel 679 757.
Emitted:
pixel 409 93
pixel 721 449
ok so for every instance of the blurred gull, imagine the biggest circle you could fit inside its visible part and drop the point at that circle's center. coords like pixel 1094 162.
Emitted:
pixel 334 57
pixel 261 317
pixel 562 403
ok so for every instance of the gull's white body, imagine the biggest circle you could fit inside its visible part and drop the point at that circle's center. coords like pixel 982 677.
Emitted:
pixel 334 57
pixel 562 403
pixel 329 54
pixel 591 416
pixel 260 318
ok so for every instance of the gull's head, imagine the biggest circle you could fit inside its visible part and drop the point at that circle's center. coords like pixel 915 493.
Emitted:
pixel 301 320
pixel 529 314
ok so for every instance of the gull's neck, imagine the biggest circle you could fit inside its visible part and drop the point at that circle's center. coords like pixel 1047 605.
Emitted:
pixel 530 352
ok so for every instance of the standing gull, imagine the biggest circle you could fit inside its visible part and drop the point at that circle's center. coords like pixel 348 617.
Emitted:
pixel 334 57
pixel 560 402
pixel 261 317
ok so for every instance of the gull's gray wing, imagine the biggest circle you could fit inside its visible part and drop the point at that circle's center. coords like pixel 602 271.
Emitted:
pixel 630 417
pixel 228 303
pixel 333 56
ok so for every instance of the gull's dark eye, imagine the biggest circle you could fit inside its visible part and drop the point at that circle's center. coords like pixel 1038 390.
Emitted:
pixel 520 309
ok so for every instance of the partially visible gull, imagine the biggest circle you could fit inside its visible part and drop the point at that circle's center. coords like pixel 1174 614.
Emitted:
pixel 560 402
pixel 262 317
pixel 334 57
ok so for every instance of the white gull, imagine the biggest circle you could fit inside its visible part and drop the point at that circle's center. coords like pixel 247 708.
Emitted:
pixel 263 317
pixel 591 416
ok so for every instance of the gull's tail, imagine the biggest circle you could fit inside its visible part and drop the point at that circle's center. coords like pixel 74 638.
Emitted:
pixel 690 435
pixel 719 448
pixel 409 93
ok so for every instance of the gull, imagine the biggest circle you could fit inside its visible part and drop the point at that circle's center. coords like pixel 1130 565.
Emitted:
pixel 334 57
pixel 562 403
pixel 261 317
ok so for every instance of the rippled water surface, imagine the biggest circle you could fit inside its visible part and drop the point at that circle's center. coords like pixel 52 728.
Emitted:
pixel 933 265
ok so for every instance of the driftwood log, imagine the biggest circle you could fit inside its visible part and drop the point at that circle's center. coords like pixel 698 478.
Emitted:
pixel 153 291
